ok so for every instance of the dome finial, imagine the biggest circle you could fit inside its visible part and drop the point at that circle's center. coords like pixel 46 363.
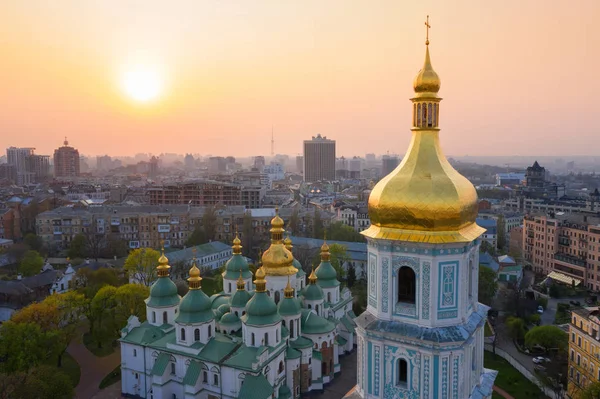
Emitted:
pixel 237 244
pixel 288 291
pixel 241 285
pixel 194 280
pixel 163 261
pixel 312 279
pixel 427 26
pixel 427 80
pixel 260 282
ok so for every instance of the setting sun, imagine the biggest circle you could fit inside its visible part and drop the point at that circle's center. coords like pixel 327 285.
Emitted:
pixel 142 84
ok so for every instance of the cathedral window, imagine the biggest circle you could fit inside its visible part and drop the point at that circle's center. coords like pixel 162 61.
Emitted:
pixel 280 367
pixel 173 368
pixel 429 115
pixel 266 339
pixel 424 116
pixel 473 359
pixel 406 285
pixel 153 317
pixel 209 331
pixel 229 287
pixel 418 115
pixel 165 320
pixel 414 114
pixel 183 334
pixel 197 334
pixel 134 352
pixel 252 339
pixel 329 297
pixel 216 380
pixel 317 309
pixel 205 377
pixel 291 328
pixel 402 372
pixel 435 114
pixel 277 295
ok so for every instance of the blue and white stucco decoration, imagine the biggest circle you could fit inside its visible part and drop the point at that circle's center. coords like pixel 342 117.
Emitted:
pixel 426 295
pixel 413 358
pixel 385 264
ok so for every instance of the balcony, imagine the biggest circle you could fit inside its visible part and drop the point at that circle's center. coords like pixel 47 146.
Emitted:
pixel 573 260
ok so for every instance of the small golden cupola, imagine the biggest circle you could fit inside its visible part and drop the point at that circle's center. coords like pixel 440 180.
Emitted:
pixel 277 260
pixel 424 199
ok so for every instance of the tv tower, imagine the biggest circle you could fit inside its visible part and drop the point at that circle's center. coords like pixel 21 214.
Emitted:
pixel 272 142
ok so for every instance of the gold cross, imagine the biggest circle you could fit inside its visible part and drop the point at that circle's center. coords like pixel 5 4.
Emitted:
pixel 427 27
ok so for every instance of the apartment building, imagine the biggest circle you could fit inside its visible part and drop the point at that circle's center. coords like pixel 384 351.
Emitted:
pixel 584 349
pixel 356 217
pixel 567 244
pixel 510 220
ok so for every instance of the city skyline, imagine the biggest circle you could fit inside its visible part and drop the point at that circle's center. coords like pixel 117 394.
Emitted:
pixel 253 67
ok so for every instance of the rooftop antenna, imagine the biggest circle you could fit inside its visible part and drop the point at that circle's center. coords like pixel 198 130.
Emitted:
pixel 272 142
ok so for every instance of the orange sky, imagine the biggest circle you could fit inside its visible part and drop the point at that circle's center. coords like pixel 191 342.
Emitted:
pixel 518 77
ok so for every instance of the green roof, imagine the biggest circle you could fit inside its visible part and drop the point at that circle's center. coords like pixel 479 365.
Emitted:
pixel 289 307
pixel 224 308
pixel 240 298
pixel 296 263
pixel 230 319
pixel 192 373
pixel 195 307
pixel 233 267
pixel 315 324
pixel 160 364
pixel 326 275
pixel 284 392
pixel 256 387
pixel 340 340
pixel 245 356
pixel 163 293
pixel 261 310
pixel 291 353
pixel 219 299
pixel 301 343
pixel 317 355
pixel 348 322
pixel 217 348
pixel 313 292
pixel 509 269
pixel 144 334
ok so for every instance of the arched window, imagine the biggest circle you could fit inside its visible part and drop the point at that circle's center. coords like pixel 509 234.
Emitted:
pixel 183 334
pixel 173 368
pixel 266 339
pixel 473 359
pixel 429 115
pixel 205 377
pixel 317 309
pixel 424 120
pixel 435 111
pixel 309 306
pixel 197 334
pixel 406 285
pixel 153 317
pixel 209 331
pixel 280 367
pixel 291 328
pixel 277 335
pixel 277 295
pixel 229 287
pixel 283 322
pixel 165 318
pixel 402 372
pixel 236 313
pixel 418 114
pixel 252 339
pixel 216 379
pixel 329 297
pixel 414 114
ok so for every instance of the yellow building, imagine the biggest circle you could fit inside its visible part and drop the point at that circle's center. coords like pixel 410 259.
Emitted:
pixel 584 349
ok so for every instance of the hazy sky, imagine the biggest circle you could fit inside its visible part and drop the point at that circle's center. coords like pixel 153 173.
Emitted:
pixel 518 77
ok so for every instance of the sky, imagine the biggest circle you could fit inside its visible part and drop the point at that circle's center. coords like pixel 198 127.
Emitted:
pixel 518 77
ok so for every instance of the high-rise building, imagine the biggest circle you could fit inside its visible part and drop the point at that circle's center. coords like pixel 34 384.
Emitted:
pixel 389 163
pixel 27 167
pixel 300 164
pixel 189 162
pixel 423 262
pixel 319 159
pixel 584 349
pixel 104 162
pixel 66 161
pixel 153 167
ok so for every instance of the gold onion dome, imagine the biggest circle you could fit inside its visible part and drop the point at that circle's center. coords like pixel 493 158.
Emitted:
pixel 194 280
pixel 288 291
pixel 237 245
pixel 240 282
pixel 277 260
pixel 163 264
pixel 260 282
pixel 424 199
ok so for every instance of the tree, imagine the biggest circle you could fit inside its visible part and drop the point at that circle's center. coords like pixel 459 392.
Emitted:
pixel 198 237
pixel 88 281
pixel 209 222
pixel 487 247
pixel 294 225
pixel 338 257
pixel 592 391
pixel 318 231
pixel 129 299
pixel 23 345
pixel 31 264
pixel 516 327
pixel 351 276
pixel 141 265
pixel 77 248
pixel 342 232
pixel 41 382
pixel 33 242
pixel 487 285
pixel 500 231
pixel 115 246
pixel 103 309
pixel 548 337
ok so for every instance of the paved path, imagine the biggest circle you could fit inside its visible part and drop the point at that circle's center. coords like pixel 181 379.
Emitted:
pixel 93 369
pixel 342 383
pixel 502 392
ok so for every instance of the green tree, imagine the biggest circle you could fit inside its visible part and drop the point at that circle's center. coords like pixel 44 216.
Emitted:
pixel 500 231
pixel 351 276
pixel 88 281
pixel 294 225
pixel 318 230
pixel 33 242
pixel 198 237
pixel 129 299
pixel 23 346
pixel 103 308
pixel 209 222
pixel 548 337
pixel 77 248
pixel 341 232
pixel 141 265
pixel 41 382
pixel 487 285
pixel 338 257
pixel 487 247
pixel 31 264
pixel 516 327
pixel 592 391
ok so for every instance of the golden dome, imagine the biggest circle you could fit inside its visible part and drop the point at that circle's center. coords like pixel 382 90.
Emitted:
pixel 312 278
pixel 288 291
pixel 260 282
pixel 424 199
pixel 277 260
pixel 163 264
pixel 325 255
pixel 240 282
pixel 237 245
pixel 288 243
pixel 194 280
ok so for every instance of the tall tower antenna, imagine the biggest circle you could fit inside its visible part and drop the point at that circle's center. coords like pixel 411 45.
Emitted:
pixel 272 142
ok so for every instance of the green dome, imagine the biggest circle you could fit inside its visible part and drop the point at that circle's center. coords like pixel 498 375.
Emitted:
pixel 229 319
pixel 240 298
pixel 219 299
pixel 313 293
pixel 224 308
pixel 163 293
pixel 289 307
pixel 217 314
pixel 261 310
pixel 233 267
pixel 326 275
pixel 314 324
pixel 195 307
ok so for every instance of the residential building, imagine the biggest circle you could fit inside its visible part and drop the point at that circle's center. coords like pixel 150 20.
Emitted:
pixel 27 167
pixel 423 251
pixel 354 216
pixel 319 159
pixel 66 161
pixel 509 179
pixel 568 244
pixel 490 234
pixel 584 349
pixel 273 337
pixel 507 221
pixel 388 164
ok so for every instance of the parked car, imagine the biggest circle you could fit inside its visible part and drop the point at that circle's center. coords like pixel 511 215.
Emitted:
pixel 540 309
pixel 540 360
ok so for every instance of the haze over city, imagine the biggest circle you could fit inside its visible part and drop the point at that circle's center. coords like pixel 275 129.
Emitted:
pixel 213 77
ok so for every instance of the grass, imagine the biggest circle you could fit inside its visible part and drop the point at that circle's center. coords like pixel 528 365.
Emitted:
pixel 509 379
pixel 90 343
pixel 111 378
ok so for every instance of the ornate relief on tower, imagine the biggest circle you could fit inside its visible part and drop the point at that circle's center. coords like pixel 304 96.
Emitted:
pixel 426 290
pixel 373 280
pixel 384 284
pixel 403 308
pixel 391 387
pixel 376 369
pixel 455 377
pixel 448 290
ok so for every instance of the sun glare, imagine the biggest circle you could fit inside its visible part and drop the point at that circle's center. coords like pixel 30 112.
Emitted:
pixel 142 84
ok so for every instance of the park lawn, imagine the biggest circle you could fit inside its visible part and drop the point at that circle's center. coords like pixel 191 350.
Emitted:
pixel 509 379
pixel 111 378
pixel 92 346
